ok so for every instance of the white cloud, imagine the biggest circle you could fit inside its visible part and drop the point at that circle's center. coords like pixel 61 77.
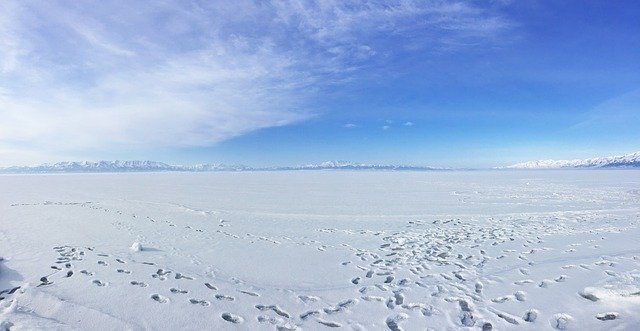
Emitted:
pixel 618 112
pixel 350 125
pixel 408 123
pixel 87 76
pixel 386 127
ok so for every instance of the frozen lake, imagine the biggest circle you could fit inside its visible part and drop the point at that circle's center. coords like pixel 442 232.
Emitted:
pixel 319 250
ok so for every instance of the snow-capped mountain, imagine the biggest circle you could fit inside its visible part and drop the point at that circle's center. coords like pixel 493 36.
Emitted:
pixel 342 165
pixel 148 166
pixel 86 166
pixel 621 161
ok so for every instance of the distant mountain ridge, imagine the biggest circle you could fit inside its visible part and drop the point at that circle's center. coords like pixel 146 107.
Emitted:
pixel 631 160
pixel 153 166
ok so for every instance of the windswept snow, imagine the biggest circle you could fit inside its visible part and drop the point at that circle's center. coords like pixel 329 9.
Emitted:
pixel 314 250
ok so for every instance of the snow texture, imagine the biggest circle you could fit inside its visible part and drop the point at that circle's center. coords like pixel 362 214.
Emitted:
pixel 483 250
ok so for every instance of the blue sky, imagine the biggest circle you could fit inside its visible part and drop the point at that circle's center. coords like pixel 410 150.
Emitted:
pixel 460 83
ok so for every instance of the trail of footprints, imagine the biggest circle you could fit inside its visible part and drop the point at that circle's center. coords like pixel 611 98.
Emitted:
pixel 442 260
pixel 439 260
pixel 70 257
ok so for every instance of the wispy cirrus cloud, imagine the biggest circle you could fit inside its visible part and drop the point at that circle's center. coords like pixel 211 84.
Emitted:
pixel 81 76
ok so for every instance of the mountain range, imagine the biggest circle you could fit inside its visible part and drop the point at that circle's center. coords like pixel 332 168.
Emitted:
pixel 622 161
pixel 631 160
pixel 153 166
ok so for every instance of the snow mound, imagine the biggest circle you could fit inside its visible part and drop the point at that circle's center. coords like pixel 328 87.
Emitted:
pixel 136 247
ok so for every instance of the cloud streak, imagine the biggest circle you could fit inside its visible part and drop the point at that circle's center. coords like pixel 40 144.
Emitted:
pixel 86 76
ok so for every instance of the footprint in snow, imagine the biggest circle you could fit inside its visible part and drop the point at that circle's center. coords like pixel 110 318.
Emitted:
pixel 329 323
pixel 224 297
pixel 393 323
pixel 159 298
pixel 181 276
pixel 203 303
pixel 273 308
pixel 233 318
pixel 607 316
pixel 99 283
pixel 253 294
pixel 561 321
pixel 137 283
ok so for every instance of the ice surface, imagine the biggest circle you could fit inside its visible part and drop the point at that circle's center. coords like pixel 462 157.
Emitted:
pixel 485 250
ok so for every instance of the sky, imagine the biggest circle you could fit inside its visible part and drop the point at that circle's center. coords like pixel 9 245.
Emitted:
pixel 265 83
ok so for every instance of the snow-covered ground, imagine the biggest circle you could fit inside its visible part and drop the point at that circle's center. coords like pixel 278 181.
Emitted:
pixel 319 250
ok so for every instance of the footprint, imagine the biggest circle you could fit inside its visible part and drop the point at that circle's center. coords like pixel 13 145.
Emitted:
pixel 393 323
pixel 203 303
pixel 561 278
pixel 211 287
pixel 607 316
pixel 505 316
pixel 137 283
pixel 341 306
pixel 69 274
pixel 253 294
pixel 232 318
pixel 224 297
pixel 123 271
pixel 372 298
pixel 520 295
pixel 156 276
pixel 309 313
pixel 269 320
pixel 501 299
pixel 399 298
pixel 545 283
pixel 308 298
pixel 85 272
pixel 588 295
pixel 162 272
pixel 98 283
pixel 479 287
pixel 523 281
pixel 44 281
pixel 530 315
pixel 10 291
pixel 159 298
pixel 176 290
pixel 329 323
pixel 102 263
pixel 181 276
pixel 120 261
pixel 561 321
pixel 275 309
